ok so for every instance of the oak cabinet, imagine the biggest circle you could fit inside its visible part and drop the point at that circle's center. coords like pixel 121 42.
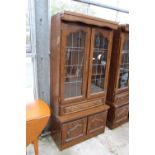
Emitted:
pixel 80 58
pixel 118 90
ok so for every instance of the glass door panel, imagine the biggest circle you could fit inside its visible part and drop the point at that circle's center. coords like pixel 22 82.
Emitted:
pixel 99 63
pixel 75 50
pixel 124 65
pixel 74 64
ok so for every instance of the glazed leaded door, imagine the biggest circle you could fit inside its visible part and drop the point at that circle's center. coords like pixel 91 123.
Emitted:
pixel 74 56
pixel 124 62
pixel 100 53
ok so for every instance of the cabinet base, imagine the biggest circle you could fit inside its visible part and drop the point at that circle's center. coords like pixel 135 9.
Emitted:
pixel 64 146
pixel 117 115
pixel 112 125
pixel 71 132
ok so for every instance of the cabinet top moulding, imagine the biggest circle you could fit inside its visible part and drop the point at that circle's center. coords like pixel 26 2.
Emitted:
pixel 86 19
pixel 124 27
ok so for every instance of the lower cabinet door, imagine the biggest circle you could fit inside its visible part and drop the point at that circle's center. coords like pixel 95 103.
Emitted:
pixel 96 123
pixel 74 130
pixel 121 113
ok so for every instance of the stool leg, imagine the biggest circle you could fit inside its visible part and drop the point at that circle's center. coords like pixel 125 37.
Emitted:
pixel 36 146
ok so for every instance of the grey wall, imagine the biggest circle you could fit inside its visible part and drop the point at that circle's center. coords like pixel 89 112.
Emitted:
pixel 42 49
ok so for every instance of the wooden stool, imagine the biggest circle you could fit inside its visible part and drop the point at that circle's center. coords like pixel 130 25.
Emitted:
pixel 37 115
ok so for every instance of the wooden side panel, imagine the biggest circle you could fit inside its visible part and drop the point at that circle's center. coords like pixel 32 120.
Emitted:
pixel 73 130
pixel 113 67
pixel 55 62
pixel 96 123
pixel 56 130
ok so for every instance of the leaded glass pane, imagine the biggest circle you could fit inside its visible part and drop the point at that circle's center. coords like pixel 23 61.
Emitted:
pixel 99 63
pixel 124 67
pixel 74 64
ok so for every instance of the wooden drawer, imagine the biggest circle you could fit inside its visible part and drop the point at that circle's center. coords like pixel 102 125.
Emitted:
pixel 121 113
pixel 122 98
pixel 80 106
pixel 96 123
pixel 74 130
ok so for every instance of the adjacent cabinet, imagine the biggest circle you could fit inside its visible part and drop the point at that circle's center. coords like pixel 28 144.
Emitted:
pixel 118 90
pixel 80 59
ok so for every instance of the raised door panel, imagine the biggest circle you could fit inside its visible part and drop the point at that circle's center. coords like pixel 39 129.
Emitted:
pixel 74 55
pixel 74 130
pixel 122 98
pixel 96 123
pixel 121 113
pixel 100 54
pixel 123 74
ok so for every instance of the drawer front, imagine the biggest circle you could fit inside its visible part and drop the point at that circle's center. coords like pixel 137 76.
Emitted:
pixel 80 107
pixel 96 123
pixel 121 113
pixel 122 98
pixel 74 130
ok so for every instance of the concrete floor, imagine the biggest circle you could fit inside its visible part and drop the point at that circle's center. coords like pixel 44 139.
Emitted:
pixel 112 142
